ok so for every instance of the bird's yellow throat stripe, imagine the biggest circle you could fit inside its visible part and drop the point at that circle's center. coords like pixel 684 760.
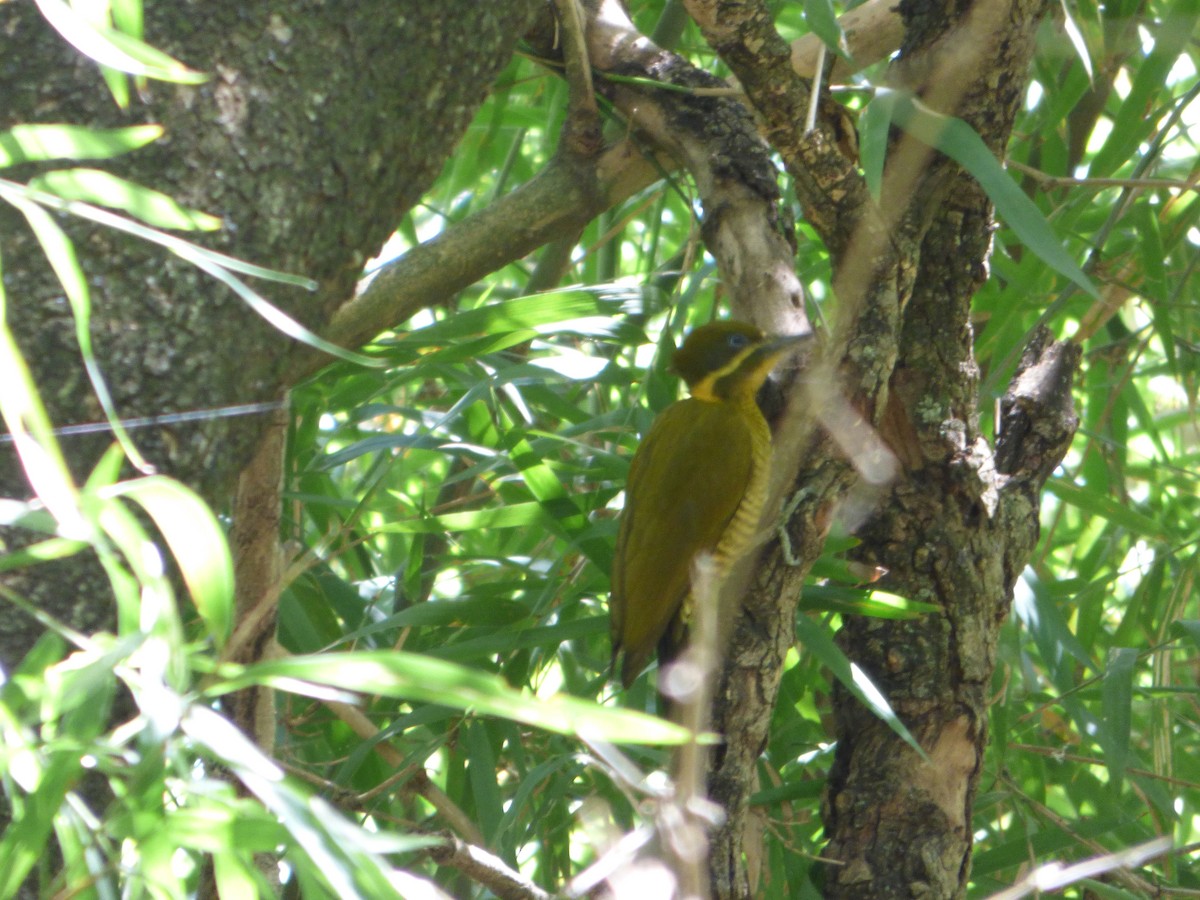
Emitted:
pixel 705 388
pixel 721 385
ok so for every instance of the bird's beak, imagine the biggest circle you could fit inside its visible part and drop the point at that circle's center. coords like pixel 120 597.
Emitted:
pixel 767 355
pixel 787 342
pixel 782 345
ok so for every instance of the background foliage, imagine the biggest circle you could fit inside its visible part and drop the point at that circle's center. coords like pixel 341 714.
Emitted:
pixel 459 503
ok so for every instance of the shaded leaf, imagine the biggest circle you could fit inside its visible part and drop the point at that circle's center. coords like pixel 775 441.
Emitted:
pixel 816 640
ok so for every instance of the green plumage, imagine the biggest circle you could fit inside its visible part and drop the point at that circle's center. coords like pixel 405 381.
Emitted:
pixel 697 484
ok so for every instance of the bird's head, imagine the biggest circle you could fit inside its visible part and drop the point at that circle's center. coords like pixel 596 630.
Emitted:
pixel 724 360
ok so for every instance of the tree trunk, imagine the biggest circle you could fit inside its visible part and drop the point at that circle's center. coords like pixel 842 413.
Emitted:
pixel 951 524
pixel 954 529
pixel 321 124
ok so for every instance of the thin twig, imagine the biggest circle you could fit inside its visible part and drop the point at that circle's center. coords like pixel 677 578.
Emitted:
pixel 814 99
pixel 1049 182
pixel 487 869
pixel 447 808
pixel 1054 875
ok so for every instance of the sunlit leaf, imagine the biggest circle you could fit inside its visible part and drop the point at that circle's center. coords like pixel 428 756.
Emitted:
pixel 879 604
pixel 114 49
pixel 60 251
pixel 33 437
pixel 106 189
pixel 33 143
pixel 347 857
pixel 197 542
pixel 412 677
pixel 1075 36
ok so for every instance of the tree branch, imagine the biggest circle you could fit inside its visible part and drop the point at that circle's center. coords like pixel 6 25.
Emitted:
pixel 886 258
pixel 745 224
pixel 420 783
pixel 873 31
pixel 1038 419
pixel 486 868
pixel 567 194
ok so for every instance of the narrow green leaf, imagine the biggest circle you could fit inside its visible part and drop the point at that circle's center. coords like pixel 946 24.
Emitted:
pixel 217 265
pixel 26 514
pixel 1189 627
pixel 515 515
pixel 874 126
pixel 512 640
pixel 197 543
pixel 962 143
pixel 1102 505
pixel 806 790
pixel 127 16
pixel 473 348
pixel 42 551
pixel 481 769
pixel 33 437
pixel 188 250
pixel 377 443
pixel 29 831
pixel 76 837
pixel 545 485
pixel 178 246
pixel 1139 112
pixel 281 321
pixel 114 49
pixel 1041 843
pixel 822 19
pixel 859 602
pixel 1116 698
pixel 234 877
pixel 817 641
pixel 536 312
pixel 150 206
pixel 1075 36
pixel 60 251
pixel 82 685
pixel 138 573
pixel 1051 632
pixel 342 854
pixel 1153 255
pixel 1093 887
pixel 118 86
pixel 430 680
pixel 36 143
pixel 489 611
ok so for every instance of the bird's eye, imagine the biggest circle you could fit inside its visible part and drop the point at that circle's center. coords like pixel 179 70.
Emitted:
pixel 737 340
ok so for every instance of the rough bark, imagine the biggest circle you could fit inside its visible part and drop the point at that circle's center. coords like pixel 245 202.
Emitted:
pixel 305 141
pixel 745 225
pixel 958 524
pixel 320 126
pixel 900 360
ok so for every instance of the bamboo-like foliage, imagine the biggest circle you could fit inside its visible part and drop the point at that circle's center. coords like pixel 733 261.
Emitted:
pixel 450 512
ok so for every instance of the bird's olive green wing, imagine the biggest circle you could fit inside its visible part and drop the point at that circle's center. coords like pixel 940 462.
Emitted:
pixel 685 483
